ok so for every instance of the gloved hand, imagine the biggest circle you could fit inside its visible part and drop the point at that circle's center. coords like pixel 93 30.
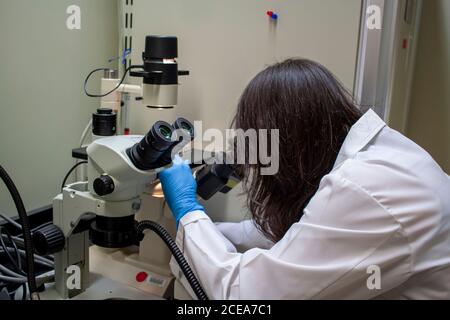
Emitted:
pixel 180 189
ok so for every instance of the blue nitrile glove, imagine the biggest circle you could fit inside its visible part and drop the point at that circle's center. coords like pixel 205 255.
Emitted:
pixel 180 189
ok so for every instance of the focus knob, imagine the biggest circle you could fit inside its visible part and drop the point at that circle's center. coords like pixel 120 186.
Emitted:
pixel 104 185
pixel 48 240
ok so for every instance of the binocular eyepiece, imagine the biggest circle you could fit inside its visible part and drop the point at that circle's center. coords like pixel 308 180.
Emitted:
pixel 155 149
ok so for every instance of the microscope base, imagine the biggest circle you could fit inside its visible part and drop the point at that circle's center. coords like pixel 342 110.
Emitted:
pixel 125 267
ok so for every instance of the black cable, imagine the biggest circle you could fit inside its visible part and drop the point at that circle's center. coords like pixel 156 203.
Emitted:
pixel 10 292
pixel 176 252
pixel 17 264
pixel 26 230
pixel 70 172
pixel 107 69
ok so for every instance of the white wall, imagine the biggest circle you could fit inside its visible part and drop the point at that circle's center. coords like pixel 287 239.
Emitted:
pixel 225 43
pixel 42 106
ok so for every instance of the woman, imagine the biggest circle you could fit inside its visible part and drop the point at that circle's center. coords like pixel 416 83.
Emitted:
pixel 356 211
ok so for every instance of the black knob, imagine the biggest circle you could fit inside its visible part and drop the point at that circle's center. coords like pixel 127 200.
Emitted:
pixel 104 185
pixel 48 240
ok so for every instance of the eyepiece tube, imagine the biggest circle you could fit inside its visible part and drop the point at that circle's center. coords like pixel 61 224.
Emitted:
pixel 184 124
pixel 183 133
pixel 146 153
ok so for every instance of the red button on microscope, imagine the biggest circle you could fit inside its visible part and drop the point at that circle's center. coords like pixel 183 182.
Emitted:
pixel 141 276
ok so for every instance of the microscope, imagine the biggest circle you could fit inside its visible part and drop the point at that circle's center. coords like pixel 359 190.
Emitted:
pixel 122 172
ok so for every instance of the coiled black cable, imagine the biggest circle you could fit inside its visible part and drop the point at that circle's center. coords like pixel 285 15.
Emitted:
pixel 17 264
pixel 177 254
pixel 26 230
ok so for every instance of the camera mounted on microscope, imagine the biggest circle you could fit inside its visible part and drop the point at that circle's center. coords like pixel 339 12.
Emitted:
pixel 160 72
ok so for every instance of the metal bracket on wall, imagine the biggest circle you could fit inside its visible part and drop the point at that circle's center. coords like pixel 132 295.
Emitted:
pixel 128 20
pixel 374 59
pixel 378 57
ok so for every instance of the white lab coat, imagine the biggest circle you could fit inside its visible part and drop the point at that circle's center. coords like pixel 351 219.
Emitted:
pixel 383 210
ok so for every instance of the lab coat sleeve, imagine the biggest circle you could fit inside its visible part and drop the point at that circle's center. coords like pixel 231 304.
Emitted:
pixel 346 246
pixel 244 235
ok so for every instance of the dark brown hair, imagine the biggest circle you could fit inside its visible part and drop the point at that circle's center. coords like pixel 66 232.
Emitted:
pixel 313 113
